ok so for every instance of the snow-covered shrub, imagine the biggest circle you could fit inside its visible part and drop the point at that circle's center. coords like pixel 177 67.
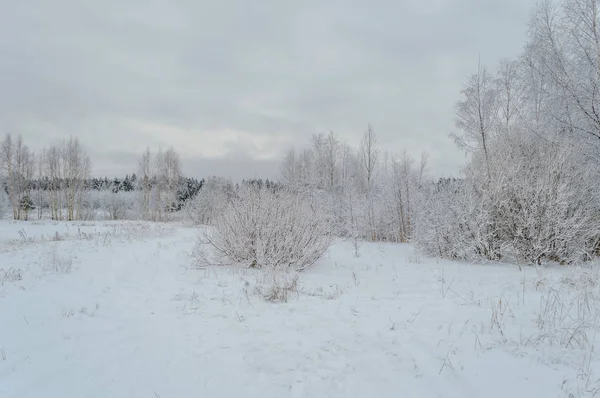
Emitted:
pixel 454 223
pixel 265 228
pixel 545 202
pixel 538 202
pixel 210 201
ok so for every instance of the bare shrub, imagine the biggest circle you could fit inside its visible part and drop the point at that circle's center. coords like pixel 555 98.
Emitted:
pixel 59 263
pixel 260 228
pixel 10 275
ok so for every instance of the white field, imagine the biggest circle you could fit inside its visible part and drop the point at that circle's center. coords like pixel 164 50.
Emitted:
pixel 117 310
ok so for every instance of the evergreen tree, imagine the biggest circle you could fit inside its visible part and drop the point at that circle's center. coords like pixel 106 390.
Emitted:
pixel 26 205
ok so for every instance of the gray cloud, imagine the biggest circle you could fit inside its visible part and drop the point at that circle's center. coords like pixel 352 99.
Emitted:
pixel 233 84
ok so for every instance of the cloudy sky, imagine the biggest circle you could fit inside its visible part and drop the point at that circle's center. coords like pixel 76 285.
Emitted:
pixel 233 84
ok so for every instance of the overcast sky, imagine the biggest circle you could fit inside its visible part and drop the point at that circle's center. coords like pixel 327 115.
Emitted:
pixel 233 84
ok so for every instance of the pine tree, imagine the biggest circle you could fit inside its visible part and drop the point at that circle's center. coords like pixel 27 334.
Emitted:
pixel 26 205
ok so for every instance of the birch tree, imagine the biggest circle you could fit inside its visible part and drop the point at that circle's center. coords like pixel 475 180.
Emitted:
pixel 369 156
pixel 172 176
pixel 65 166
pixel 159 179
pixel 511 94
pixel 565 39
pixel 77 167
pixel 51 161
pixel 144 178
pixel 289 168
pixel 17 166
pixel 7 151
pixel 477 115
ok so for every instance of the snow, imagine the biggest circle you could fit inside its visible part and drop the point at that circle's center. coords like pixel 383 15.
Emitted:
pixel 134 318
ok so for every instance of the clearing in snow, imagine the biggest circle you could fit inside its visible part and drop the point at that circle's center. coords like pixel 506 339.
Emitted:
pixel 117 309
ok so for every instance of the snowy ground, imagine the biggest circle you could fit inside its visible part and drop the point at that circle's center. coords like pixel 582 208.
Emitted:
pixel 116 310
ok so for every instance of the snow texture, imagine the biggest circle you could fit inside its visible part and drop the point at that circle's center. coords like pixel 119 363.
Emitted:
pixel 116 309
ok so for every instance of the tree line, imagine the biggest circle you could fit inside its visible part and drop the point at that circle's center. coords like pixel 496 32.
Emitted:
pixel 58 181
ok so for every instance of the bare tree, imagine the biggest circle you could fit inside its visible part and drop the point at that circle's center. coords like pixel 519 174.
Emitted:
pixel 4 203
pixel 53 172
pixel 77 167
pixel 40 177
pixel 402 181
pixel 20 156
pixel 159 178
pixel 352 199
pixel 289 168
pixel 477 114
pixel 423 167
pixel 369 153
pixel 565 42
pixel 511 93
pixel 156 203
pixel 17 165
pixel 26 174
pixel 330 159
pixel 7 153
pixel 65 166
pixel 171 175
pixel 367 199
pixel 145 181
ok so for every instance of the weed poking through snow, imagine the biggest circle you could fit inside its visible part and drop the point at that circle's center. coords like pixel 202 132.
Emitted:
pixel 59 263
pixel 566 318
pixel 10 275
pixel 276 286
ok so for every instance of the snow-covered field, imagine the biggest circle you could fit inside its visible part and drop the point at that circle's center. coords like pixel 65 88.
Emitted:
pixel 118 310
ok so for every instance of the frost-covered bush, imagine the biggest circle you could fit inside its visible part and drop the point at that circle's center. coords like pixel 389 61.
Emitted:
pixel 546 202
pixel 266 229
pixel 538 202
pixel 210 201
pixel 454 223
